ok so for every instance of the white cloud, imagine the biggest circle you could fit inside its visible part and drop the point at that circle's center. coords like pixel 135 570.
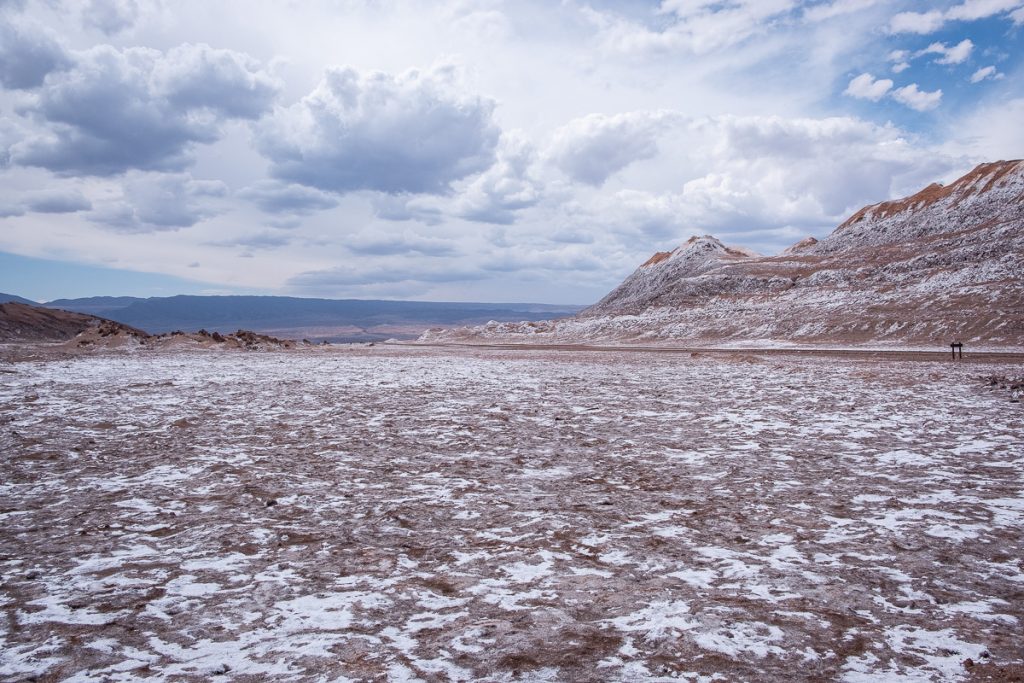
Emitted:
pixel 387 243
pixel 57 201
pixel 838 8
pixel 283 198
pixel 498 194
pixel 865 87
pixel 991 132
pixel 152 202
pixel 27 54
pixel 199 77
pixel 985 72
pixel 694 26
pixel 416 132
pixel 49 201
pixel 114 110
pixel 916 98
pixel 760 180
pixel 955 54
pixel 900 59
pixel 773 171
pixel 592 148
pixel 110 16
pixel 329 281
pixel 970 10
pixel 917 22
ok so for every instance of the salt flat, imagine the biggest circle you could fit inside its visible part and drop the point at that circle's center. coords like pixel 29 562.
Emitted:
pixel 430 514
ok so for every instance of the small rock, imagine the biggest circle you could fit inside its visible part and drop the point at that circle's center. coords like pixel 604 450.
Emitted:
pixel 181 423
pixel 272 502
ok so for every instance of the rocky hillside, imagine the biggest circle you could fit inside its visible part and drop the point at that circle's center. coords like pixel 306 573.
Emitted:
pixel 946 263
pixel 23 323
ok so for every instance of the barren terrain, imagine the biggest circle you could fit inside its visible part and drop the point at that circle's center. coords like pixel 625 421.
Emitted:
pixel 943 265
pixel 456 514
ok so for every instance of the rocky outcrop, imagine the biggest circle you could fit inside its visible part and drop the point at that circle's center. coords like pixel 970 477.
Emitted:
pixel 21 323
pixel 698 268
pixel 989 196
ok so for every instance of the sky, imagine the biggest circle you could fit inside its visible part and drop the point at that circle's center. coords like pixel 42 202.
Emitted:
pixel 470 150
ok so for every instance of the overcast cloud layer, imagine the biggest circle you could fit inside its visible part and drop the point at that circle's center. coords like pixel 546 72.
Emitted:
pixel 478 149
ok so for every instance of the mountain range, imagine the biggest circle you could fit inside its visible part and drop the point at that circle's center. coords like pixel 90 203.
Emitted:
pixel 336 320
pixel 944 264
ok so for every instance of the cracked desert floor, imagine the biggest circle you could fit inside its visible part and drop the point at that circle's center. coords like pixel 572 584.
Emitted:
pixel 453 514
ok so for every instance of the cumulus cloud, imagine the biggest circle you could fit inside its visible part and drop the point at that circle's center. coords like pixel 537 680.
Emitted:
pixel 202 78
pixel 110 16
pixel 971 10
pixel 27 55
pixel 593 148
pixel 160 202
pixel 759 180
pixel 900 60
pixel 985 72
pixel 415 132
pixel 495 196
pixel 865 87
pixel 916 22
pixel 815 168
pixel 916 98
pixel 57 202
pixel 137 108
pixel 507 187
pixel 955 54
pixel 283 198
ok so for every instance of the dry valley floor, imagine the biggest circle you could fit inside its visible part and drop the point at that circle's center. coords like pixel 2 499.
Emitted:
pixel 461 514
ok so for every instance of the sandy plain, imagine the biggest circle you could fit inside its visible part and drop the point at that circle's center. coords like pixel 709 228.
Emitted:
pixel 399 513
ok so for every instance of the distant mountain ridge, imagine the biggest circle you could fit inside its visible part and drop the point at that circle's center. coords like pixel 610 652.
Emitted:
pixel 946 263
pixel 94 305
pixel 339 320
pixel 11 298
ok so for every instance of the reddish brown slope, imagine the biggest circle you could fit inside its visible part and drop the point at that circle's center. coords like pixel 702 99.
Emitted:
pixel 21 322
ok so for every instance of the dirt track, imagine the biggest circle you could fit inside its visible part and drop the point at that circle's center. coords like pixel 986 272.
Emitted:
pixel 895 354
pixel 435 514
